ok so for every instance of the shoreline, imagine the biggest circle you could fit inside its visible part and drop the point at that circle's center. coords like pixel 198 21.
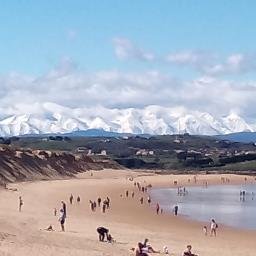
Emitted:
pixel 190 217
pixel 124 217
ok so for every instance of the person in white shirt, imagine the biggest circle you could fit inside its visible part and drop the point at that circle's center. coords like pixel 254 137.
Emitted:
pixel 62 219
pixel 214 227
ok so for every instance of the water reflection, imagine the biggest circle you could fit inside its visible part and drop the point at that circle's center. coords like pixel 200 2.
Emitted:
pixel 220 202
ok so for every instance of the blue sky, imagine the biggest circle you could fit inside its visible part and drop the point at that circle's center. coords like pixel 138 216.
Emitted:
pixel 36 34
pixel 126 48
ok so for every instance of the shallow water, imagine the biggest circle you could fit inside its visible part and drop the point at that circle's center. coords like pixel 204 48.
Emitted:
pixel 220 202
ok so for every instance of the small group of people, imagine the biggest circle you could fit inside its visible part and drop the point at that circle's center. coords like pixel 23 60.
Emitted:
pixel 213 228
pixel 243 195
pixel 71 199
pixel 143 249
pixel 141 188
pixel 105 204
pixel 127 193
pixel 224 180
pixel 182 191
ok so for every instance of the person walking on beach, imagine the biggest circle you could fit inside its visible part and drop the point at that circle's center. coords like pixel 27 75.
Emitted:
pixel 157 208
pixel 91 205
pixel 141 200
pixel 99 201
pixel 64 208
pixel 175 209
pixel 62 220
pixel 78 200
pixel 104 206
pixel 214 227
pixel 71 199
pixel 108 202
pixel 149 200
pixel 132 194
pixel 127 193
pixel 20 203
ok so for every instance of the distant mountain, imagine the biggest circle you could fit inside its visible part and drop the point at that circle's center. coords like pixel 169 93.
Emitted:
pixel 152 120
pixel 245 137
pixel 96 133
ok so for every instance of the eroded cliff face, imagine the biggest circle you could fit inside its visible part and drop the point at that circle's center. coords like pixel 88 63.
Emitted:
pixel 25 165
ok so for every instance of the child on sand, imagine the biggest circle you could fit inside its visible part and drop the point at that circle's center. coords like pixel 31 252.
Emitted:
pixel 205 230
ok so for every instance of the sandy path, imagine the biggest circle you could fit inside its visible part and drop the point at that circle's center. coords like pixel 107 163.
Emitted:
pixel 128 221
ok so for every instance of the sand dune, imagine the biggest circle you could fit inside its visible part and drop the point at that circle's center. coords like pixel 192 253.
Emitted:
pixel 129 222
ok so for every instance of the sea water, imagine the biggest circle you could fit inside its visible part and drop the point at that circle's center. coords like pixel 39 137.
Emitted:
pixel 221 202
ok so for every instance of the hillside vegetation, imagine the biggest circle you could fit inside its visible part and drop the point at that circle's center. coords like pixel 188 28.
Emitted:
pixel 168 152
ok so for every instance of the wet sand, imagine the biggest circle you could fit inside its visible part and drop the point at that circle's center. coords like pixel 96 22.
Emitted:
pixel 128 220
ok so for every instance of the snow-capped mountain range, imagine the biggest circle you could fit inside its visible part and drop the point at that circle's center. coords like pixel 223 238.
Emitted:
pixel 53 118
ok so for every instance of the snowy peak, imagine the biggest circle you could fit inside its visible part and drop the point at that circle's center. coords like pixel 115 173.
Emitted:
pixel 53 118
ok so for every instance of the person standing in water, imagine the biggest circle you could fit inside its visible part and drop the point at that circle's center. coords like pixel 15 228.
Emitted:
pixel 20 203
pixel 175 209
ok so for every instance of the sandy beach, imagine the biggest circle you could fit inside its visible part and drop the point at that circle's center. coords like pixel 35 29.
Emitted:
pixel 22 233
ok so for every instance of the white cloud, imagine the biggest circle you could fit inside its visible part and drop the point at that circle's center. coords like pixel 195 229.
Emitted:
pixel 203 62
pixel 213 65
pixel 125 49
pixel 67 86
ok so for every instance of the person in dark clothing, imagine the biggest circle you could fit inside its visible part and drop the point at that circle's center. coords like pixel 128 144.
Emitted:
pixel 139 252
pixel 71 199
pixel 102 231
pixel 188 251
pixel 104 207
pixel 78 199
pixel 108 202
pixel 64 209
pixel 176 210
pixel 99 201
